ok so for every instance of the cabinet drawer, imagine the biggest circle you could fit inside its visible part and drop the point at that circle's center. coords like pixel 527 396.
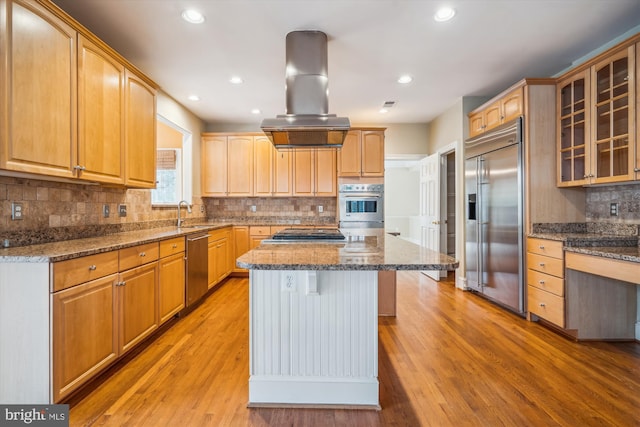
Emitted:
pixel 257 230
pixel 546 305
pixel 550 248
pixel 138 255
pixel 546 282
pixel 171 246
pixel 224 233
pixel 80 270
pixel 545 264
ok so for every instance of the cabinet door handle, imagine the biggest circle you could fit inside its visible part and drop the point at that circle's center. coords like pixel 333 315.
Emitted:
pixel 92 267
pixel 79 168
pixel 121 283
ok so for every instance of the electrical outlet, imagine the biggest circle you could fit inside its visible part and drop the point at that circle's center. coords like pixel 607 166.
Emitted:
pixel 17 213
pixel 201 208
pixel 613 209
pixel 122 210
pixel 320 209
pixel 105 211
pixel 289 281
pixel 253 208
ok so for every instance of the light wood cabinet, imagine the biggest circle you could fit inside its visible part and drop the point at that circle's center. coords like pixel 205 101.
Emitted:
pixel 257 233
pixel 220 258
pixel 573 100
pixel 37 77
pixel 240 166
pixel 171 278
pixel 613 112
pixel 314 172
pixel 282 173
pixel 140 132
pixel 137 305
pixel 214 166
pixel 545 280
pixel 100 114
pixel 64 105
pixel 240 245
pixel 362 154
pixel 499 111
pixel 263 170
pixel 84 333
pixel 598 108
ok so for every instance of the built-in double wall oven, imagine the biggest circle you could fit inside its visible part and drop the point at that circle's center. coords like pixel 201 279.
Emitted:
pixel 361 205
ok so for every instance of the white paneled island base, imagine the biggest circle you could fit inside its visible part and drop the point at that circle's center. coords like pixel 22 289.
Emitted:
pixel 313 338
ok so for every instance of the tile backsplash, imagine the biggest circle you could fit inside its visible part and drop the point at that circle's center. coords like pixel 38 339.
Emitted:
pixel 599 200
pixel 57 211
pixel 273 210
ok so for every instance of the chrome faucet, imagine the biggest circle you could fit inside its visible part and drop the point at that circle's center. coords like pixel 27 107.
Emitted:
pixel 180 220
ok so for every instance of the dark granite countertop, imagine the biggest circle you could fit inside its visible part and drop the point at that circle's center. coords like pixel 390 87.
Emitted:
pixel 620 247
pixel 69 249
pixel 621 253
pixel 366 249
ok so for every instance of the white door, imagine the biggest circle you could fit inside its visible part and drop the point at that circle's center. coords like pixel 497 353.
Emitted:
pixel 430 206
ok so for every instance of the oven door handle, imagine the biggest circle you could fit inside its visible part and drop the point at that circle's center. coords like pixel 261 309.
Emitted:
pixel 360 196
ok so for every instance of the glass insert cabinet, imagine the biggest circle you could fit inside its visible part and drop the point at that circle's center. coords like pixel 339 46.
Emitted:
pixel 596 134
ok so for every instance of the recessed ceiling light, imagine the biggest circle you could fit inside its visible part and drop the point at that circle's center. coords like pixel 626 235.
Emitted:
pixel 383 111
pixel 405 79
pixel 256 111
pixel 193 98
pixel 193 16
pixel 444 14
pixel 235 80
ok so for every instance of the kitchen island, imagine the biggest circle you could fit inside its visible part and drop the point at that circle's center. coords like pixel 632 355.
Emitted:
pixel 313 317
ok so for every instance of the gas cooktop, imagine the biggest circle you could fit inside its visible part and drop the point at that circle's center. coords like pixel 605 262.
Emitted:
pixel 308 234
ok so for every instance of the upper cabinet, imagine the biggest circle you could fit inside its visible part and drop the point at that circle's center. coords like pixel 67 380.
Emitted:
pixel 71 106
pixel 100 114
pixel 573 97
pixel 246 165
pixel 362 154
pixel 498 112
pixel 597 141
pixel 37 79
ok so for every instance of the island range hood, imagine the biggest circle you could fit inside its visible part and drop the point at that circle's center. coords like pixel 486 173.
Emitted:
pixel 306 122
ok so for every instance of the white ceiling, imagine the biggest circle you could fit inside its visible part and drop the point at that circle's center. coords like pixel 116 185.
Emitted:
pixel 489 45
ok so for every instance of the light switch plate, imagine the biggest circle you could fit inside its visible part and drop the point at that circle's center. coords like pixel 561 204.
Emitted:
pixel 122 210
pixel 105 211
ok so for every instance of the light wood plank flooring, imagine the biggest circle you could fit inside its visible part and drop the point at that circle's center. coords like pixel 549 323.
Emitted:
pixel 449 358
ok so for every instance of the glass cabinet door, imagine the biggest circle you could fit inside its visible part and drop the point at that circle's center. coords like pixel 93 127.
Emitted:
pixel 613 121
pixel 573 129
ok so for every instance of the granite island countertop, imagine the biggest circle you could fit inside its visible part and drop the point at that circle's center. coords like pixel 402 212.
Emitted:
pixel 363 249
pixel 69 249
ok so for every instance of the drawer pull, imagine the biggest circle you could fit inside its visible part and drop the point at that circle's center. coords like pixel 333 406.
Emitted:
pixel 541 247
pixel 541 264
pixel 542 304
pixel 174 246
pixel 541 282
pixel 92 267
pixel 143 254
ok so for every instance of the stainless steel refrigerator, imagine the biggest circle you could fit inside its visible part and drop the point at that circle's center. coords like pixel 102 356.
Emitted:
pixel 494 215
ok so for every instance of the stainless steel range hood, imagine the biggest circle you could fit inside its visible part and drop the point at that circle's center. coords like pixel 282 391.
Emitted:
pixel 306 122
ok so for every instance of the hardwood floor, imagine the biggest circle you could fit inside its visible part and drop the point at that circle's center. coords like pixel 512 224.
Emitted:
pixel 449 358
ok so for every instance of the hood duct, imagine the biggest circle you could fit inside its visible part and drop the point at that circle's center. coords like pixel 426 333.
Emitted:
pixel 306 122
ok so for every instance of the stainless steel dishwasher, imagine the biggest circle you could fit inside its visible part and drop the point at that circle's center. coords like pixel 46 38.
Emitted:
pixel 197 267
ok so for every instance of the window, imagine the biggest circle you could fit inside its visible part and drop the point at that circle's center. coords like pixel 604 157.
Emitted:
pixel 173 160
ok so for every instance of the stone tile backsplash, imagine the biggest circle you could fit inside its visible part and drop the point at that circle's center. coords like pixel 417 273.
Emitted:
pixel 599 201
pixel 56 211
pixel 273 210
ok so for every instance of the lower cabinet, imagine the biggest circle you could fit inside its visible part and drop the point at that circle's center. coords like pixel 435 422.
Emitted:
pixel 137 303
pixel 545 280
pixel 220 255
pixel 85 333
pixel 240 245
pixel 171 282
